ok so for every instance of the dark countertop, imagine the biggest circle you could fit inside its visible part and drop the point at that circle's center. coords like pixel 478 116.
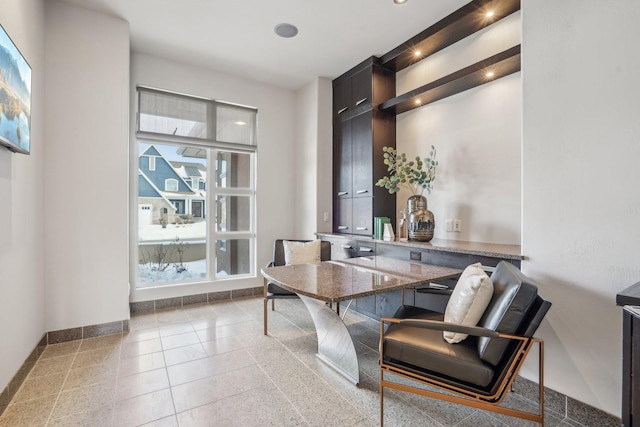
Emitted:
pixel 629 296
pixel 495 250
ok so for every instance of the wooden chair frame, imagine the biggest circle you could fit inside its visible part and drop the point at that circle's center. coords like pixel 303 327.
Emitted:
pixel 459 394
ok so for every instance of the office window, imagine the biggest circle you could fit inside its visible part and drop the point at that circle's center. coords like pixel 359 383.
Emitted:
pixel 204 155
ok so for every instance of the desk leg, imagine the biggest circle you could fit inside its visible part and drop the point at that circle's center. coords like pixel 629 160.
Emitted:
pixel 335 346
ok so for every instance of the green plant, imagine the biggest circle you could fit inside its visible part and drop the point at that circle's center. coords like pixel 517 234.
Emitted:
pixel 415 175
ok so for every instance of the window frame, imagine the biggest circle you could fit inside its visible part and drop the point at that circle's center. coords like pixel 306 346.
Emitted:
pixel 209 147
pixel 168 181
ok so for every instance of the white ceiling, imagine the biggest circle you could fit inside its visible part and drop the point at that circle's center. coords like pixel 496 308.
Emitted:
pixel 237 37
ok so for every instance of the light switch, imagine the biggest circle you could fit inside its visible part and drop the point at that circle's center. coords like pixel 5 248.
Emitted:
pixel 448 225
pixel 457 225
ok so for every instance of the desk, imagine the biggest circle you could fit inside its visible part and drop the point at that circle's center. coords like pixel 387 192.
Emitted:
pixel 335 281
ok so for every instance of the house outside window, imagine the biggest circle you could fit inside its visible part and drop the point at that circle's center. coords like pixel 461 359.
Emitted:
pixel 192 141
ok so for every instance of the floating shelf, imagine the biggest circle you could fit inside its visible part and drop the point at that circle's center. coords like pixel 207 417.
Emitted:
pixel 449 30
pixel 501 64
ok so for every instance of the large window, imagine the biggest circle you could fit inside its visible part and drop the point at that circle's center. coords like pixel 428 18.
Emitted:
pixel 196 189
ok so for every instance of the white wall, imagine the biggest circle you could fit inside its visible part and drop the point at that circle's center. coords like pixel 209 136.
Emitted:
pixel 477 136
pixel 21 207
pixel 86 167
pixel 313 158
pixel 581 204
pixel 276 168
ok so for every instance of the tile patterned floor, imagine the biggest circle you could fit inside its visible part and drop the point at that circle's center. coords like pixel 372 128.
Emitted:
pixel 211 365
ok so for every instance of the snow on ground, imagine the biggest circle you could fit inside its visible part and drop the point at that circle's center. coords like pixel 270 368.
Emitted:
pixel 186 232
pixel 147 276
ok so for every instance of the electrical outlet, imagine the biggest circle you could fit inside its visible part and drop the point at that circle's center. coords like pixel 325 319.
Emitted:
pixel 448 225
pixel 457 225
pixel 326 217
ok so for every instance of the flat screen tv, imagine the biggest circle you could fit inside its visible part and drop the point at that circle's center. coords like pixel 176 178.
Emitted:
pixel 15 97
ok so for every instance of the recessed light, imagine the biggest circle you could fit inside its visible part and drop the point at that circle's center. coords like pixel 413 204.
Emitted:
pixel 490 14
pixel 399 1
pixel 417 102
pixel 286 30
pixel 417 53
pixel 490 74
pixel 240 123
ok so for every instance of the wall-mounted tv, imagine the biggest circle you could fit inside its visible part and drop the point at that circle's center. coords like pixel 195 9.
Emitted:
pixel 15 97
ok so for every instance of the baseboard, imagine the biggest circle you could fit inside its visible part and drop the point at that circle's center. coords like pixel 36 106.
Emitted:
pixel 565 406
pixel 56 337
pixel 12 388
pixel 166 303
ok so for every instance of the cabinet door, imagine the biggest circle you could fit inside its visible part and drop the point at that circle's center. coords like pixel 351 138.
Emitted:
pixel 342 249
pixel 362 155
pixel 342 216
pixel 362 89
pixel 342 98
pixel 342 159
pixel 363 216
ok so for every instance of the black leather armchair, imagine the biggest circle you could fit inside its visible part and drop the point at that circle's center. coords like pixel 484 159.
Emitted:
pixel 273 291
pixel 480 370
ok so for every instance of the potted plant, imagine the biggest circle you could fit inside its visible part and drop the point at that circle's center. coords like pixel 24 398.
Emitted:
pixel 415 175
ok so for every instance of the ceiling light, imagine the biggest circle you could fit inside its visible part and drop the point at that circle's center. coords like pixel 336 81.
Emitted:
pixel 240 123
pixel 417 53
pixel 417 102
pixel 399 1
pixel 490 14
pixel 286 30
pixel 490 74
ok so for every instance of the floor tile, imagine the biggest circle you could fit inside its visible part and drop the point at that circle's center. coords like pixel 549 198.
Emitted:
pixel 184 354
pixel 137 364
pixel 62 349
pixel 90 375
pixel 139 348
pixel 213 365
pixel 36 387
pixel 28 413
pixel 174 341
pixel 213 388
pixel 102 417
pixel 213 362
pixel 52 365
pixel 145 382
pixel 84 399
pixel 249 408
pixel 143 409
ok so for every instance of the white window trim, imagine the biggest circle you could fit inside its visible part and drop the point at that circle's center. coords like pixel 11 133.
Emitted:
pixel 171 181
pixel 210 283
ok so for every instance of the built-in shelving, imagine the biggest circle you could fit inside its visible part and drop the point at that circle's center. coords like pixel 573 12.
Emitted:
pixel 485 71
pixel 465 21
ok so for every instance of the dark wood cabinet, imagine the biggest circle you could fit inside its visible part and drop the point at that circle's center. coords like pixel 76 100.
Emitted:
pixel 360 131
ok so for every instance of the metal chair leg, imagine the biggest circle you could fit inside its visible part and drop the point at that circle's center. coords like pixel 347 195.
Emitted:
pixel 265 316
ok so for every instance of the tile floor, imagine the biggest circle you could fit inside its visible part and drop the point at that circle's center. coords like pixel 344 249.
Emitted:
pixel 211 365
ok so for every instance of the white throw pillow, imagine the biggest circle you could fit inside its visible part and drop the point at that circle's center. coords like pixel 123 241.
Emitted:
pixel 468 301
pixel 301 252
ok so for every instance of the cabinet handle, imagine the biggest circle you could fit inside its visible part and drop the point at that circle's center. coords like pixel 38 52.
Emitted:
pixel 363 249
pixel 342 193
pixel 361 101
pixel 342 110
pixel 342 227
pixel 361 228
pixel 347 247
pixel 362 191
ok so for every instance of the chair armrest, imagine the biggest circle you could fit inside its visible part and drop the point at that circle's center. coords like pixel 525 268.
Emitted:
pixel 446 326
